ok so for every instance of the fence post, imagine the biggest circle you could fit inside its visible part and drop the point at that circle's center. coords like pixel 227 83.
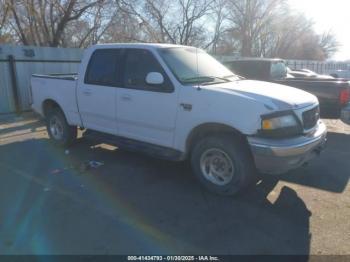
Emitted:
pixel 13 75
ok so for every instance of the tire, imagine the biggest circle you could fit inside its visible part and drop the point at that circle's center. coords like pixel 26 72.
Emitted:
pixel 230 151
pixel 60 132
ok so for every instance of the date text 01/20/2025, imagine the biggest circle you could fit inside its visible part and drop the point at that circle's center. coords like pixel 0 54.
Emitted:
pixel 173 258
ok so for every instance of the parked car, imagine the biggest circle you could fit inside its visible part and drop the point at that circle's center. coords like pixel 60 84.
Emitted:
pixel 333 94
pixel 307 73
pixel 178 103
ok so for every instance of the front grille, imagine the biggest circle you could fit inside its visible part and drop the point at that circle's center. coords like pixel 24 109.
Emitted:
pixel 311 117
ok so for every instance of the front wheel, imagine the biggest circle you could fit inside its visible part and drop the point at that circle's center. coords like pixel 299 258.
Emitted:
pixel 60 132
pixel 223 164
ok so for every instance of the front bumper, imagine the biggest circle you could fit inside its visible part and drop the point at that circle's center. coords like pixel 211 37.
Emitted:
pixel 345 114
pixel 276 156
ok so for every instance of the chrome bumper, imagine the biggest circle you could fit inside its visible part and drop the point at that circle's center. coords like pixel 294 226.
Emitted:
pixel 276 156
pixel 345 114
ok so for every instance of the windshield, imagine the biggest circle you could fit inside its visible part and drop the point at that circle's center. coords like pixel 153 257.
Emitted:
pixel 278 70
pixel 192 65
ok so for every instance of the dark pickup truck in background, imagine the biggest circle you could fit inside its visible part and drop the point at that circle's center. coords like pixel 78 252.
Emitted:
pixel 333 94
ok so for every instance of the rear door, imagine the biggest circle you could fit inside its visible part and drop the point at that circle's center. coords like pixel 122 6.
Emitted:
pixel 97 92
pixel 146 112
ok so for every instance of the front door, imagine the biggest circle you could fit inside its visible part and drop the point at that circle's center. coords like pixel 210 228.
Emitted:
pixel 146 112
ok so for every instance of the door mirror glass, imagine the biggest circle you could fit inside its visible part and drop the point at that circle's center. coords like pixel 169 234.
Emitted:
pixel 154 78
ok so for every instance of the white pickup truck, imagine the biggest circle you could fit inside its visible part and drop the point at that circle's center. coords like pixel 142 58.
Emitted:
pixel 177 102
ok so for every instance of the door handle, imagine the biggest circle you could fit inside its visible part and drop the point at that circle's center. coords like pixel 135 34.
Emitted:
pixel 126 97
pixel 87 92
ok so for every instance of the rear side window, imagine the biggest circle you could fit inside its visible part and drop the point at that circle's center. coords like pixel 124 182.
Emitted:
pixel 251 69
pixel 138 64
pixel 103 68
pixel 236 68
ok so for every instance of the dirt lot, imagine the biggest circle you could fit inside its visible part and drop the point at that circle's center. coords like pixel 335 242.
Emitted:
pixel 134 204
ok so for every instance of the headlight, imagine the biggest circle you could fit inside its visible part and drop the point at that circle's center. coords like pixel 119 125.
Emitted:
pixel 280 125
pixel 278 122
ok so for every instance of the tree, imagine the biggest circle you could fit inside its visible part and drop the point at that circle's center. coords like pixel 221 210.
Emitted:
pixel 270 28
pixel 92 27
pixel 159 23
pixel 328 44
pixel 124 28
pixel 43 22
pixel 4 10
pixel 285 35
pixel 218 16
pixel 5 36
pixel 249 18
pixel 291 35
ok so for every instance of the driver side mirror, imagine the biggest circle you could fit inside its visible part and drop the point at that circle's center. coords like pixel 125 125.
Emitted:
pixel 154 78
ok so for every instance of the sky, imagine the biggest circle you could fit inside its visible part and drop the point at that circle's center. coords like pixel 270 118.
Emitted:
pixel 329 15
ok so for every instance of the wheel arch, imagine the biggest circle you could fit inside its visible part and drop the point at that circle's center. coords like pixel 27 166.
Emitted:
pixel 207 129
pixel 48 105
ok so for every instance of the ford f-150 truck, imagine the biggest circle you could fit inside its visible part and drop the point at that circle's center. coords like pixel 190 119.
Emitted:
pixel 177 102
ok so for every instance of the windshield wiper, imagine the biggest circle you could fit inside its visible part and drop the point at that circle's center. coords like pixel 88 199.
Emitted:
pixel 206 79
pixel 198 79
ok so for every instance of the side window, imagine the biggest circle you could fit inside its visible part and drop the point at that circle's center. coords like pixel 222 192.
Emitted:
pixel 252 69
pixel 138 64
pixel 262 70
pixel 238 68
pixel 103 68
pixel 255 70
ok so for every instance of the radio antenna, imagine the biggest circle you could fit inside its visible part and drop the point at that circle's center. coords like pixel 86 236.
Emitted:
pixel 198 87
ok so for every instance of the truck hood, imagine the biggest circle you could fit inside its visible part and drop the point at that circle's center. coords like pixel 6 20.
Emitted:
pixel 274 96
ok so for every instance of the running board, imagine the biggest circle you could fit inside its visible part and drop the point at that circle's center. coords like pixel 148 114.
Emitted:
pixel 135 146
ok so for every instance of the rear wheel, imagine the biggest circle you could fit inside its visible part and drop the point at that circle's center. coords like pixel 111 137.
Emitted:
pixel 223 164
pixel 60 132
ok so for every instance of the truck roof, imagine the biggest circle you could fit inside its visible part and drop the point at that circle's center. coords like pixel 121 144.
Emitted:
pixel 257 59
pixel 135 45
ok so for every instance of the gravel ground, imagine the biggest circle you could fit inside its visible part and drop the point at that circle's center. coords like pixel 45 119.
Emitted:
pixel 134 204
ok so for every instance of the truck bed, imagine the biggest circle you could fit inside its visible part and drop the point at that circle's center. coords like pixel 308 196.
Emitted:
pixel 58 87
pixel 326 90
